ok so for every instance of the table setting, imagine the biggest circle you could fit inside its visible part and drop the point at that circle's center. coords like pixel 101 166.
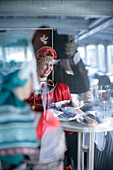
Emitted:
pixel 93 137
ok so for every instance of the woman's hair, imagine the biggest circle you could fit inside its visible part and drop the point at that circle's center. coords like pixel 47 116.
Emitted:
pixel 45 59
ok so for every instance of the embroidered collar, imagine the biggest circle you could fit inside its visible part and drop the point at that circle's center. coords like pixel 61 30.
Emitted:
pixel 46 86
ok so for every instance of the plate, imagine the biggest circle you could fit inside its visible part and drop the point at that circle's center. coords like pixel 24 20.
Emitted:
pixel 59 104
pixel 65 113
pixel 94 115
pixel 68 114
pixel 65 117
pixel 56 112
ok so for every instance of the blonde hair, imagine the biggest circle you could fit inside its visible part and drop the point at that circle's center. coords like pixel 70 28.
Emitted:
pixel 45 59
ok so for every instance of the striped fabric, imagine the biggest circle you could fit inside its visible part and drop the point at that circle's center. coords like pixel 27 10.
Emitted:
pixel 16 151
pixel 17 129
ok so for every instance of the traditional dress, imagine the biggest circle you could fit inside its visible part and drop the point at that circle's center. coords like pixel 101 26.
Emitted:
pixel 54 92
pixel 49 93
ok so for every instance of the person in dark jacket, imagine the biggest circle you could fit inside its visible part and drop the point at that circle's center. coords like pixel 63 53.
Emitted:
pixel 70 69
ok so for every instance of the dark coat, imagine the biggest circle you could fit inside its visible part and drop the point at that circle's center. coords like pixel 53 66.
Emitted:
pixel 78 83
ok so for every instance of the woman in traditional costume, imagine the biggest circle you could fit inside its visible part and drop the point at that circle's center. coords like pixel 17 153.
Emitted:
pixel 50 91
pixel 55 92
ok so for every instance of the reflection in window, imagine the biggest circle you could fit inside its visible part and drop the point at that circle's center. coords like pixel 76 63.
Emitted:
pixel 101 58
pixel 110 58
pixel 16 54
pixel 92 55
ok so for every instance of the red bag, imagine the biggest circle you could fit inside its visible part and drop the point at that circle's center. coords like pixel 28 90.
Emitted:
pixel 52 138
pixel 47 123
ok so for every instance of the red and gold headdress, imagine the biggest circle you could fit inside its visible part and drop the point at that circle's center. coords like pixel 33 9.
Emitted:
pixel 46 52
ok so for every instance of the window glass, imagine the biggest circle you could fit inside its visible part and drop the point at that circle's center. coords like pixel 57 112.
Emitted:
pixel 11 52
pixel 92 55
pixel 101 58
pixel 82 53
pixel 110 58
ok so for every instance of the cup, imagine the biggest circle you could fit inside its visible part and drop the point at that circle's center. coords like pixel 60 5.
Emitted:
pixel 86 97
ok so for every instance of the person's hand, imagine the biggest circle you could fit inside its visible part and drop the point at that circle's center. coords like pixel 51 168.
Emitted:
pixel 70 47
pixel 91 122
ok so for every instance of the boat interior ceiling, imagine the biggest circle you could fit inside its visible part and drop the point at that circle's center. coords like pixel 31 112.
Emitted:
pixel 90 21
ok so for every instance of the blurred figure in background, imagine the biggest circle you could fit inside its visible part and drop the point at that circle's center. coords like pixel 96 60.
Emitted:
pixel 17 130
pixel 24 136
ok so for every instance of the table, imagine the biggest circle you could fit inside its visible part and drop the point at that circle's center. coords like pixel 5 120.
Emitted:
pixel 80 128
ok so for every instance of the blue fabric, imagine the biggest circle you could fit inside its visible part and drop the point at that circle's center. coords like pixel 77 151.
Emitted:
pixel 12 159
pixel 7 95
pixel 16 131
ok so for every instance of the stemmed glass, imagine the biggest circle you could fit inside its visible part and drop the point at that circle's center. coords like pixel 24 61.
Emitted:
pixel 104 96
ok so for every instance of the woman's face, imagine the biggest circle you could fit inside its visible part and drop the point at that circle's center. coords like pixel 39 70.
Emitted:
pixel 45 67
